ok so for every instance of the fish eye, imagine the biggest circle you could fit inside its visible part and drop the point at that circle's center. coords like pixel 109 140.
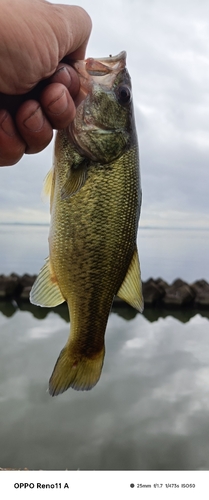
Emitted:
pixel 123 94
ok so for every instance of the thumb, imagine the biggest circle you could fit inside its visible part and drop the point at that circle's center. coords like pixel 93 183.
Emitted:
pixel 35 37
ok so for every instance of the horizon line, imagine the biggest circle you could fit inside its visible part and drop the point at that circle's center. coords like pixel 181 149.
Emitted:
pixel 17 223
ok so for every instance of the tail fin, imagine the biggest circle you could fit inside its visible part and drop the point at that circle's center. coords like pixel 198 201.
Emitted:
pixel 80 373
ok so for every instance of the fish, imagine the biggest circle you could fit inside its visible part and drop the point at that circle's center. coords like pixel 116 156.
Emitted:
pixel 95 201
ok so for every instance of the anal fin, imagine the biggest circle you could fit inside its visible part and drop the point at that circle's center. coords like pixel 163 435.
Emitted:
pixel 131 288
pixel 45 291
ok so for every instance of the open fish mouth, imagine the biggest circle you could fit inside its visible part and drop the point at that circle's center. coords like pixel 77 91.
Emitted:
pixel 101 70
pixel 93 73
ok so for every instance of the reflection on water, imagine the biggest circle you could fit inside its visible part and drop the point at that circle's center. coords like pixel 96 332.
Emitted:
pixel 150 409
pixel 183 314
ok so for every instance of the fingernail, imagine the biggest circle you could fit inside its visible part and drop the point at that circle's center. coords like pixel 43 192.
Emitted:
pixel 59 105
pixel 66 77
pixel 7 125
pixel 35 122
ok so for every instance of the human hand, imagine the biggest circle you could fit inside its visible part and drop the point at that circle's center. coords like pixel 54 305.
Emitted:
pixel 37 85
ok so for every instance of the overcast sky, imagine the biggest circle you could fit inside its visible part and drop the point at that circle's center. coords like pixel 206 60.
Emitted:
pixel 167 43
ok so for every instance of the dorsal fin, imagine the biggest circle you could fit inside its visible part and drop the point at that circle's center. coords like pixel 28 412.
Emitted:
pixel 48 186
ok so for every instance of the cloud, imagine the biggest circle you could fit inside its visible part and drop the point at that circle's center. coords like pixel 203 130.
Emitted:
pixel 168 46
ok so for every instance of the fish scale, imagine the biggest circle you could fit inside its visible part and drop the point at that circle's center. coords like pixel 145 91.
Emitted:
pixel 95 207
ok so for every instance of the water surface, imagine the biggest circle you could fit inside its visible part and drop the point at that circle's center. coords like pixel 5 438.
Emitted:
pixel 165 253
pixel 150 409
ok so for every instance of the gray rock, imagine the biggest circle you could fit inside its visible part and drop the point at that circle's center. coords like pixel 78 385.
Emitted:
pixel 24 295
pixel 178 294
pixel 201 290
pixel 27 280
pixel 163 284
pixel 152 292
pixel 9 286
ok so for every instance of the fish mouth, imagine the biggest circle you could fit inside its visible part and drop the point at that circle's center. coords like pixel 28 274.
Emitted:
pixel 102 71
pixel 91 72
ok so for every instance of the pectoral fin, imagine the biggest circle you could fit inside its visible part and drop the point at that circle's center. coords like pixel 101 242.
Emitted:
pixel 131 288
pixel 45 291
pixel 75 181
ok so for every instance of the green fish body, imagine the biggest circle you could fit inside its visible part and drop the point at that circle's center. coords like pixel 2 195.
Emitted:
pixel 95 207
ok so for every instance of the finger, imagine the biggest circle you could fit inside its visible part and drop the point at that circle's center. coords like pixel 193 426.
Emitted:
pixel 58 105
pixel 33 126
pixel 66 75
pixel 12 146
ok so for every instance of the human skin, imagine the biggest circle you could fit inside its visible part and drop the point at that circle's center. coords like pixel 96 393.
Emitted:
pixel 37 84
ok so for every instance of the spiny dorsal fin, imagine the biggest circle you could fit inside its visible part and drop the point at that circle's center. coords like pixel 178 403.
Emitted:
pixel 48 186
pixel 48 181
pixel 75 181
pixel 45 291
pixel 131 288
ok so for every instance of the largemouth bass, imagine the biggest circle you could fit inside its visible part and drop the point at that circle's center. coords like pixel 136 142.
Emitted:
pixel 95 207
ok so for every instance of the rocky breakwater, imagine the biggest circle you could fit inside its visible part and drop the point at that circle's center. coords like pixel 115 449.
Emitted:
pixel 14 287
pixel 178 294
pixel 157 292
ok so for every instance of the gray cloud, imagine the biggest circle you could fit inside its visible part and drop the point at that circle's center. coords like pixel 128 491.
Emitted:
pixel 168 58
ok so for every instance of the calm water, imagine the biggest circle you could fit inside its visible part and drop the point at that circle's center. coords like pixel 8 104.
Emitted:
pixel 168 253
pixel 150 409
